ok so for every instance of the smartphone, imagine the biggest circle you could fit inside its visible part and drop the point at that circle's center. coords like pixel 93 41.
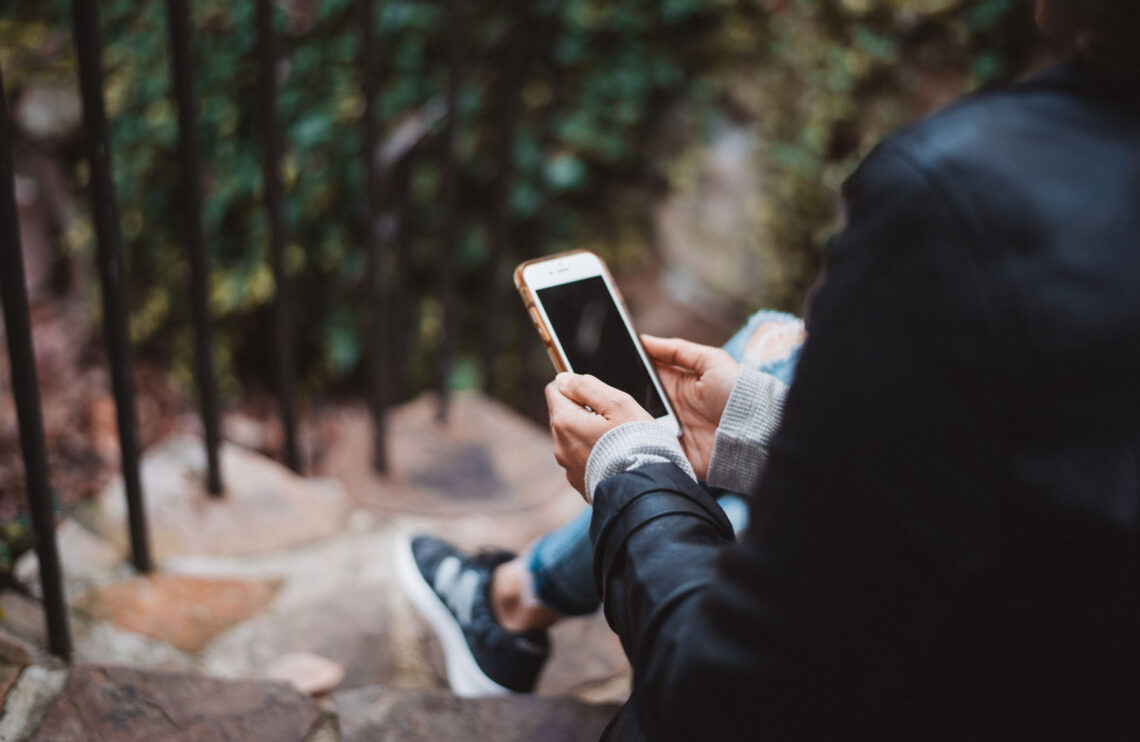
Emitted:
pixel 575 306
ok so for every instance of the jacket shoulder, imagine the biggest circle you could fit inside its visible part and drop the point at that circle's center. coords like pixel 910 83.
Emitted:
pixel 999 131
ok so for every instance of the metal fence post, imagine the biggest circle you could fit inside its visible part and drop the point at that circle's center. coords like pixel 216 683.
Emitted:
pixel 506 102
pixel 449 221
pixel 183 72
pixel 403 270
pixel 274 211
pixel 25 389
pixel 379 350
pixel 85 22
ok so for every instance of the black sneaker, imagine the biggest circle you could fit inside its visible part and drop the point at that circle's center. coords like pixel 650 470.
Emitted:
pixel 452 591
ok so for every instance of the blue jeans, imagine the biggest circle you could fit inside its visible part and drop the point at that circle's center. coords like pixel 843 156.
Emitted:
pixel 562 562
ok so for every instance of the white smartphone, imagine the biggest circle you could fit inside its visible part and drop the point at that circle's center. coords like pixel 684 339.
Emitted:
pixel 577 310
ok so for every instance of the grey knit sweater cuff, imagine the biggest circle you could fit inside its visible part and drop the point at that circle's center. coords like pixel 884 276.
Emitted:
pixel 752 415
pixel 629 446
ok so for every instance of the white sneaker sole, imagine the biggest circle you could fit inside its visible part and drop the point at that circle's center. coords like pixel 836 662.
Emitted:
pixel 464 676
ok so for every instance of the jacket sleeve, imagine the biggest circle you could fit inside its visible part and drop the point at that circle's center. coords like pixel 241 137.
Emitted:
pixel 872 529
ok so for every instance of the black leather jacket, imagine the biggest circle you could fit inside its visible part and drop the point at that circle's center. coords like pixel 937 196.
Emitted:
pixel 945 541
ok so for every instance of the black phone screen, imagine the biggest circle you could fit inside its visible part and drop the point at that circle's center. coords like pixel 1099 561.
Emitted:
pixel 596 341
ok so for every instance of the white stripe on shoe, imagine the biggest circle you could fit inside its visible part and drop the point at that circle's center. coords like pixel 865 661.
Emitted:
pixel 445 574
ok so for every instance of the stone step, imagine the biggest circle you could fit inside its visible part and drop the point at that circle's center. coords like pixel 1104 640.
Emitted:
pixel 121 704
pixel 384 713
pixel 289 576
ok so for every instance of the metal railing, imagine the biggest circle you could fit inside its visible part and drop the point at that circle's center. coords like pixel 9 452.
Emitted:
pixel 275 215
pixel 386 298
pixel 105 211
pixel 379 375
pixel 448 229
pixel 183 72
pixel 25 387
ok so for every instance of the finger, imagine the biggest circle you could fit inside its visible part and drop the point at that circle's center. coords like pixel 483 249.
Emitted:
pixel 682 353
pixel 672 378
pixel 590 391
pixel 557 404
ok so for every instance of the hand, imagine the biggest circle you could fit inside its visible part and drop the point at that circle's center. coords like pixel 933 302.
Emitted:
pixel 575 428
pixel 698 380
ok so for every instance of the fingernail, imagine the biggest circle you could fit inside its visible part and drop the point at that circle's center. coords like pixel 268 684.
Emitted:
pixel 562 378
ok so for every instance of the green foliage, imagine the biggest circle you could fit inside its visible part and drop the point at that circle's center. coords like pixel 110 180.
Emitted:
pixel 15 538
pixel 840 75
pixel 596 76
pixel 592 80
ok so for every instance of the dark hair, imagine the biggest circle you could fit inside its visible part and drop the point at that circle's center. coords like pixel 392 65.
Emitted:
pixel 1107 30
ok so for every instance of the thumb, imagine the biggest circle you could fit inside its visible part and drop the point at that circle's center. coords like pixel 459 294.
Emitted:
pixel 681 353
pixel 590 391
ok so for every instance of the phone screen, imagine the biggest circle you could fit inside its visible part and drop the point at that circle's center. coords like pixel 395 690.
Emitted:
pixel 596 341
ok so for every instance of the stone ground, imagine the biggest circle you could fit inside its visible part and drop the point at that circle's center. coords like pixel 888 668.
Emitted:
pixel 273 613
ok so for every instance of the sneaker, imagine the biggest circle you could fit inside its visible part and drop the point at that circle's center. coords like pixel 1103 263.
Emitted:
pixel 452 591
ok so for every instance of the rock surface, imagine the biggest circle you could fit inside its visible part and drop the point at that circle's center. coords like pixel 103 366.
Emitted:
pixel 84 558
pixel 348 628
pixel 265 507
pixel 309 673
pixel 586 660
pixel 9 674
pixel 99 643
pixel 23 617
pixel 128 705
pixel 486 459
pixel 29 701
pixel 380 714
pixel 186 612
pixel 304 568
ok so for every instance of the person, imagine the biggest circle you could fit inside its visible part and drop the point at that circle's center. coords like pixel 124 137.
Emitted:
pixel 944 541
pixel 491 609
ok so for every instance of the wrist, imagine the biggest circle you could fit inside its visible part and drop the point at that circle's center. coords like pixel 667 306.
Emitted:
pixel 629 446
pixel 751 417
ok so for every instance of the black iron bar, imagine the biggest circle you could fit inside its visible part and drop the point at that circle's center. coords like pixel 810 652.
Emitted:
pixel 448 216
pixel 379 351
pixel 26 390
pixel 274 211
pixel 403 270
pixel 183 71
pixel 85 21
pixel 506 98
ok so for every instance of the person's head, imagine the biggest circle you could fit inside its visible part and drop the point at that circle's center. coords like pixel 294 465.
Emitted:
pixel 1103 31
